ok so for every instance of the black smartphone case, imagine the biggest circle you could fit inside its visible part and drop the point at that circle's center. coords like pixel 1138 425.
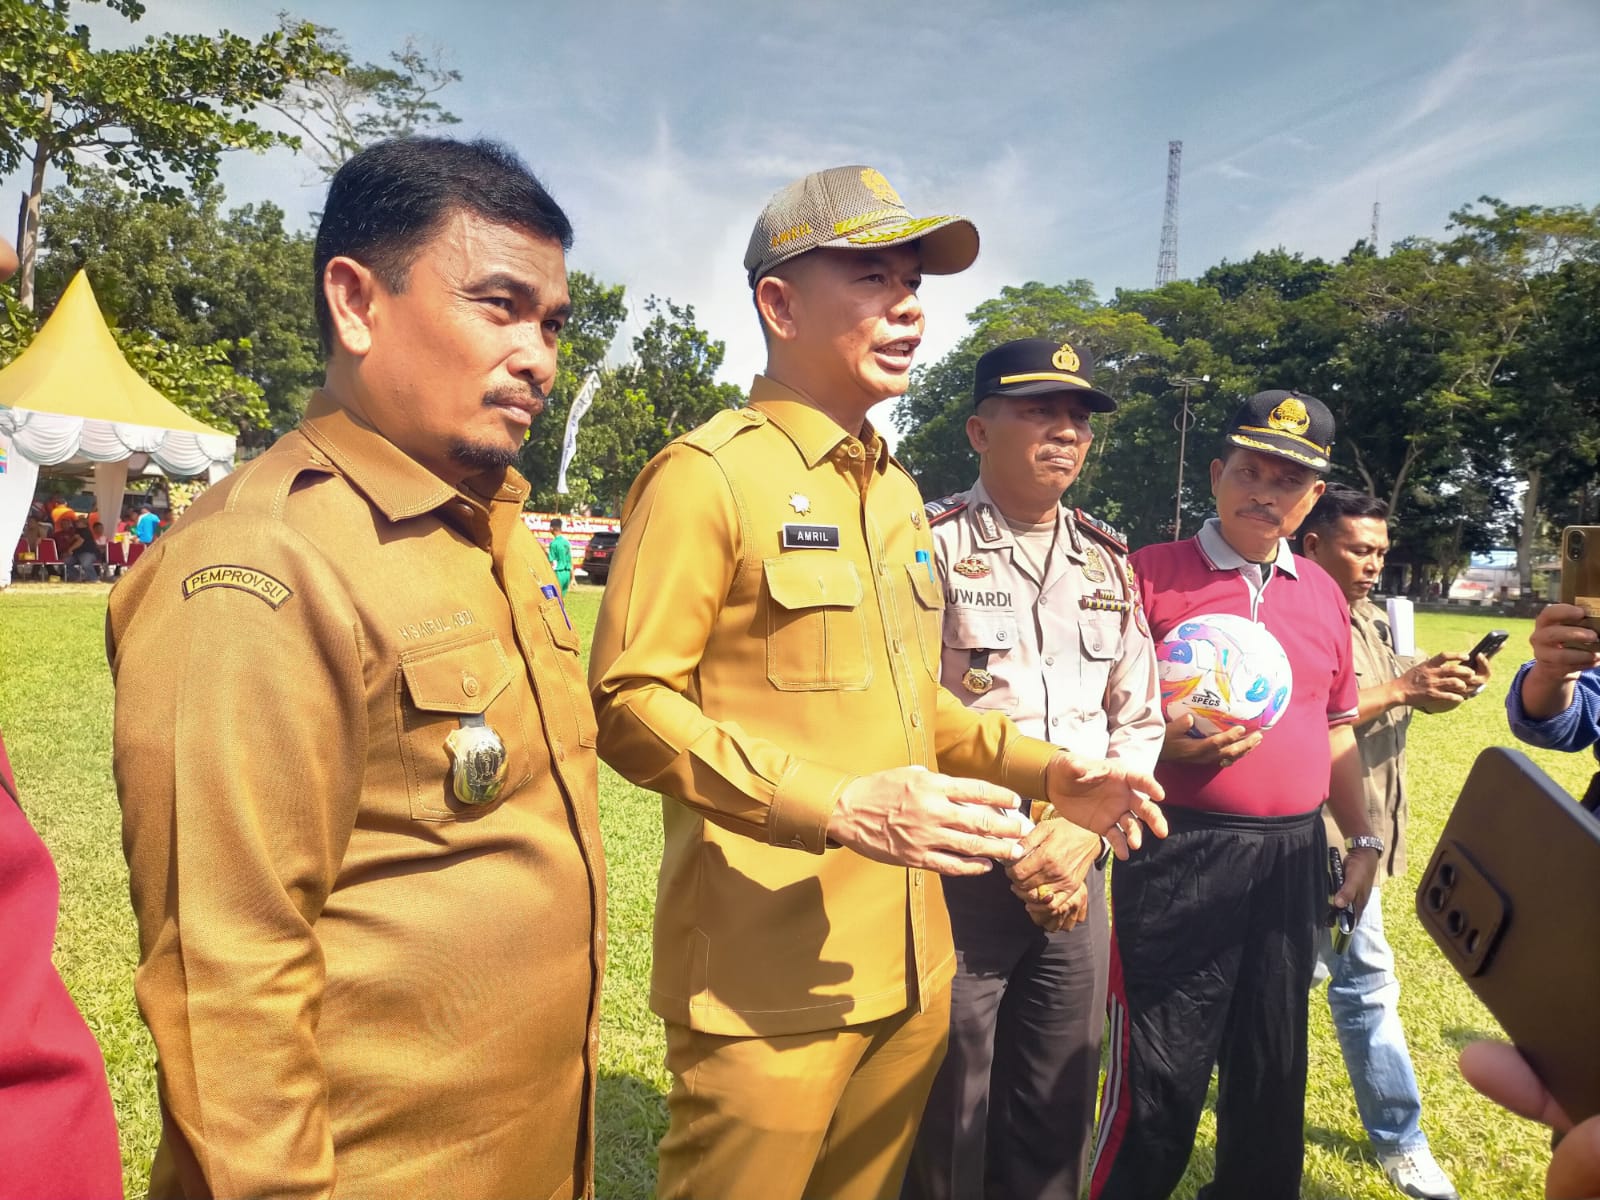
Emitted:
pixel 1512 897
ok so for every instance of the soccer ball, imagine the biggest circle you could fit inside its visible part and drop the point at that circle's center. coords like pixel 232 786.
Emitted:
pixel 1227 671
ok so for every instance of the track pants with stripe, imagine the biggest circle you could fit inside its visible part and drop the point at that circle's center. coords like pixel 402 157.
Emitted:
pixel 1212 951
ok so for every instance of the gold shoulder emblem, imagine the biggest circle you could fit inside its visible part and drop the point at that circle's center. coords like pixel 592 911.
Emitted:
pixel 874 182
pixel 242 579
pixel 1066 358
pixel 1290 417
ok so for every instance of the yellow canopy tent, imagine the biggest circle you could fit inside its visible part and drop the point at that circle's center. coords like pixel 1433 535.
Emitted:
pixel 71 400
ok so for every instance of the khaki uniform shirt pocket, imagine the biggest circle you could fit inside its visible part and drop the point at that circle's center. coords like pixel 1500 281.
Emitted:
pixel 1100 643
pixel 816 636
pixel 928 616
pixel 464 677
pixel 564 637
pixel 987 636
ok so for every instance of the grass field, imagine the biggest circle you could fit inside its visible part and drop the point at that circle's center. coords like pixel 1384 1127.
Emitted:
pixel 55 712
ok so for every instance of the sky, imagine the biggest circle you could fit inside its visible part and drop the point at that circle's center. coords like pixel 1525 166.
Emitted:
pixel 662 126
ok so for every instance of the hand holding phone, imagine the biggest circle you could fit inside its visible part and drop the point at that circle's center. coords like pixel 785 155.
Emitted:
pixel 1509 897
pixel 1340 920
pixel 1488 646
pixel 1580 574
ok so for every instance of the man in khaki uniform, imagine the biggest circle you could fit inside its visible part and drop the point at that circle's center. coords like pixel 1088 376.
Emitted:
pixel 1347 535
pixel 1041 622
pixel 767 657
pixel 353 745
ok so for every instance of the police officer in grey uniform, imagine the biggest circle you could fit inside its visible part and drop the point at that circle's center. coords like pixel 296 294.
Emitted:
pixel 1042 622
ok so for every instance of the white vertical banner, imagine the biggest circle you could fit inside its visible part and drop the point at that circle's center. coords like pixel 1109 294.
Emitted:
pixel 580 405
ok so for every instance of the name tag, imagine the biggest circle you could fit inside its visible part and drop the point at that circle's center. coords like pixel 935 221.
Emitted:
pixel 810 537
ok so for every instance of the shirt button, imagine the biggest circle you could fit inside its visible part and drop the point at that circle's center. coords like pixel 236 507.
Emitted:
pixel 854 451
pixel 469 684
pixel 1055 720
pixel 561 751
pixel 1000 635
pixel 899 646
pixel 1095 645
pixel 916 720
pixel 1050 661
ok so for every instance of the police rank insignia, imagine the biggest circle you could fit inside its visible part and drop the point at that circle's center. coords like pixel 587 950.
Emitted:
pixel 977 681
pixel 479 763
pixel 799 503
pixel 987 525
pixel 971 567
pixel 1094 567
pixel 916 520
pixel 1066 359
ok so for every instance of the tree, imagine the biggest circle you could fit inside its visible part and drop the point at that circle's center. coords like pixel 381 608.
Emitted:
pixel 1538 270
pixel 669 388
pixel 184 274
pixel 339 112
pixel 597 313
pixel 167 107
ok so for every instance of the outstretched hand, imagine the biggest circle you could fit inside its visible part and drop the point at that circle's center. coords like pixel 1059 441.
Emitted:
pixel 1106 797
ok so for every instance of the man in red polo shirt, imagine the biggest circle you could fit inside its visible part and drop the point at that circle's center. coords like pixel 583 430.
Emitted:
pixel 1215 928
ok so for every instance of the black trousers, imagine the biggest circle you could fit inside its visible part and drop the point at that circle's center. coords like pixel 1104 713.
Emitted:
pixel 1012 1108
pixel 1213 947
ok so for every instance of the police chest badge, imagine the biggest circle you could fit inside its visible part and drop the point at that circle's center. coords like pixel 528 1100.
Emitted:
pixel 970 567
pixel 479 763
pixel 1094 567
pixel 977 681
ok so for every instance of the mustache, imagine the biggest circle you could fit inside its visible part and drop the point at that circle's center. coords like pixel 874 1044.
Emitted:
pixel 531 396
pixel 1255 510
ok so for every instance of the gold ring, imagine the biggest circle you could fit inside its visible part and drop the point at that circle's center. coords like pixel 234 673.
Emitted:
pixel 1043 892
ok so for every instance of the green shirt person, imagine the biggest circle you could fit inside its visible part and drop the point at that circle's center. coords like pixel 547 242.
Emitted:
pixel 560 555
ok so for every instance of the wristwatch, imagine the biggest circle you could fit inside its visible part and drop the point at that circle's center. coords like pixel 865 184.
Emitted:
pixel 1365 841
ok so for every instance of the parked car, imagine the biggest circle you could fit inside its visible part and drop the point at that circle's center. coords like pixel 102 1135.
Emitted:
pixel 597 556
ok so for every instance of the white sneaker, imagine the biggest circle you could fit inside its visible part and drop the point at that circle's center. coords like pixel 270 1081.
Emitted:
pixel 1416 1174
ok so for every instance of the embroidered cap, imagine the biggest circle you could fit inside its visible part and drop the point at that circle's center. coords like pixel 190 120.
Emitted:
pixel 853 208
pixel 1289 425
pixel 1038 367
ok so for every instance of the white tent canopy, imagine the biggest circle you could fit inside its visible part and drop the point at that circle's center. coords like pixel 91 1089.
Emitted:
pixel 71 401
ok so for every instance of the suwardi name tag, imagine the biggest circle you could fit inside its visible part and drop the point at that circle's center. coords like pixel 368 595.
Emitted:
pixel 810 537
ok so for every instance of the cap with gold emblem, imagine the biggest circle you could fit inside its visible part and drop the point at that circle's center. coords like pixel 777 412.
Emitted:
pixel 1288 425
pixel 853 208
pixel 1038 367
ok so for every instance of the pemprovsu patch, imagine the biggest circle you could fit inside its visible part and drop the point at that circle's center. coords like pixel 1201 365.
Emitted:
pixel 242 579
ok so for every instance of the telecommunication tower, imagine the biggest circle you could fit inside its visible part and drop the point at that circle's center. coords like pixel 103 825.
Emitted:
pixel 1167 263
pixel 1372 238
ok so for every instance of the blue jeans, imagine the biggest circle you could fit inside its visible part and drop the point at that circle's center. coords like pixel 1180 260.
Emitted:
pixel 1364 998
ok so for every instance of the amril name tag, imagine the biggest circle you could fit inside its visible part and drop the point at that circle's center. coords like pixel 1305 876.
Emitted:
pixel 810 537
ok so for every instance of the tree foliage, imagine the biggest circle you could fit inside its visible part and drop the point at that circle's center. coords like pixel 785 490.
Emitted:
pixel 1462 373
pixel 668 388
pixel 186 274
pixel 337 112
pixel 156 115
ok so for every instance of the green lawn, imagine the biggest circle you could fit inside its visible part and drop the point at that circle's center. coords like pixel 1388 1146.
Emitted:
pixel 55 711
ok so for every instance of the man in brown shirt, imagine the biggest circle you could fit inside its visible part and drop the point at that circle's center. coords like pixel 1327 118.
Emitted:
pixel 353 746
pixel 1347 535
pixel 767 657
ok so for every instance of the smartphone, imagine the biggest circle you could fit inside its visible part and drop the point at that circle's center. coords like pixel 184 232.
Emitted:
pixel 1580 571
pixel 1341 921
pixel 1489 646
pixel 1510 898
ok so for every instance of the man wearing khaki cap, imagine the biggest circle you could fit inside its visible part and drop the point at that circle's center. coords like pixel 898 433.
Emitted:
pixel 780 687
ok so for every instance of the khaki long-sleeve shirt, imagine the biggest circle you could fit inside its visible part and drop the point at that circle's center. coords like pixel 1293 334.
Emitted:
pixel 771 631
pixel 1382 740
pixel 359 985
